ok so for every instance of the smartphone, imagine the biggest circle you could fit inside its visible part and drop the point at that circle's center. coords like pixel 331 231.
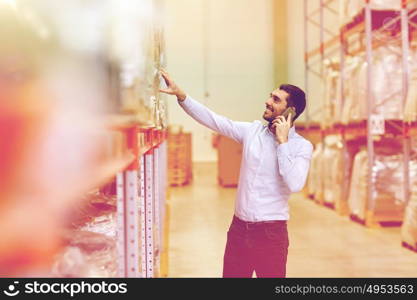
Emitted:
pixel 287 112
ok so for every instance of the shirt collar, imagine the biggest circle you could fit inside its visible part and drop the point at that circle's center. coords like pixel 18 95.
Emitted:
pixel 291 133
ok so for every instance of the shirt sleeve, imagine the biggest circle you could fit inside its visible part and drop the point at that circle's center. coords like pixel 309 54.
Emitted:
pixel 203 115
pixel 294 163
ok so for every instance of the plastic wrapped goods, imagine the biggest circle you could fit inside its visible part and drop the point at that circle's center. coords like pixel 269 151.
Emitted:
pixel 386 86
pixel 410 111
pixel 331 95
pixel 409 226
pixel 90 243
pixel 315 184
pixel 358 185
pixel 87 254
pixel 387 81
pixel 104 224
pixel 354 90
pixel 388 192
pixel 52 99
pixel 92 206
pixel 332 169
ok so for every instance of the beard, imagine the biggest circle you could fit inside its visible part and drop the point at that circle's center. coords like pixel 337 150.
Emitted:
pixel 268 117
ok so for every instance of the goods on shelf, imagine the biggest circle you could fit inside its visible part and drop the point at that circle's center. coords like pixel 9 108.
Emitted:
pixel 327 181
pixel 386 86
pixel 333 162
pixel 358 185
pixel 332 86
pixel 89 240
pixel 179 157
pixel 409 227
pixel 315 181
pixel 410 111
pixel 355 71
pixel 387 204
pixel 375 118
pixel 52 149
pixel 87 254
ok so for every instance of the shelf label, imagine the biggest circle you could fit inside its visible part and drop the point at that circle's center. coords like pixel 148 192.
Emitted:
pixel 377 123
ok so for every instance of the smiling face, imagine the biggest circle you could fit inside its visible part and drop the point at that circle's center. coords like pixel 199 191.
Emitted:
pixel 275 105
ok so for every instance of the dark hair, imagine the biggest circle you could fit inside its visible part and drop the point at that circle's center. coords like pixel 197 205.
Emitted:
pixel 296 98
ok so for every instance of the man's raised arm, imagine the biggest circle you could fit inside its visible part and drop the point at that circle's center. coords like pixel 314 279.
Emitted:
pixel 203 115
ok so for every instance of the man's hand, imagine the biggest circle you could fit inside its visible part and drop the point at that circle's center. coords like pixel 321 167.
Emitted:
pixel 282 128
pixel 172 89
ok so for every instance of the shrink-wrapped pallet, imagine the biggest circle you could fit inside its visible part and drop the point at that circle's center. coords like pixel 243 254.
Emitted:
pixel 386 86
pixel 358 185
pixel 90 239
pixel 315 184
pixel 387 203
pixel 409 226
pixel 410 111
pixel 353 89
pixel 332 94
pixel 87 254
pixel 332 169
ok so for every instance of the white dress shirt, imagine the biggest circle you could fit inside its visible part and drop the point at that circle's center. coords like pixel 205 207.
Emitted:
pixel 269 171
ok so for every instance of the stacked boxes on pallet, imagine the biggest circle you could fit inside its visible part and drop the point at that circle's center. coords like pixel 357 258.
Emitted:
pixel 179 157
pixel 229 156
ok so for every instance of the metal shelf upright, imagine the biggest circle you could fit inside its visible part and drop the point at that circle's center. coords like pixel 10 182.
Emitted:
pixel 140 195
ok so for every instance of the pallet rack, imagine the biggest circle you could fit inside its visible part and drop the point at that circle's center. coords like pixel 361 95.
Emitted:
pixel 361 32
pixel 141 194
pixel 140 204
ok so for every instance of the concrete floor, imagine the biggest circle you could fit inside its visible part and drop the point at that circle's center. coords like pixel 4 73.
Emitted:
pixel 322 243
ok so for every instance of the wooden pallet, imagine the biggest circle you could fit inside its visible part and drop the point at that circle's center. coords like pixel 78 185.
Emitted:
pixel 179 183
pixel 356 219
pixel 375 221
pixel 383 220
pixel 409 247
pixel 318 200
pixel 342 208
pixel 328 205
pixel 179 159
pixel 178 177
pixel 226 185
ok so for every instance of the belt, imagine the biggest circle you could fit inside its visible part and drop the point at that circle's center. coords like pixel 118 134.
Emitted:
pixel 249 225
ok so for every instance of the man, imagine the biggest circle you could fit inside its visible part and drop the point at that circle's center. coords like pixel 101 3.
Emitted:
pixel 275 164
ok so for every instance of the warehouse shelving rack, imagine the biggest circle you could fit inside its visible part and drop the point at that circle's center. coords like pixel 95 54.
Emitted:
pixel 140 202
pixel 124 138
pixel 363 28
pixel 325 48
